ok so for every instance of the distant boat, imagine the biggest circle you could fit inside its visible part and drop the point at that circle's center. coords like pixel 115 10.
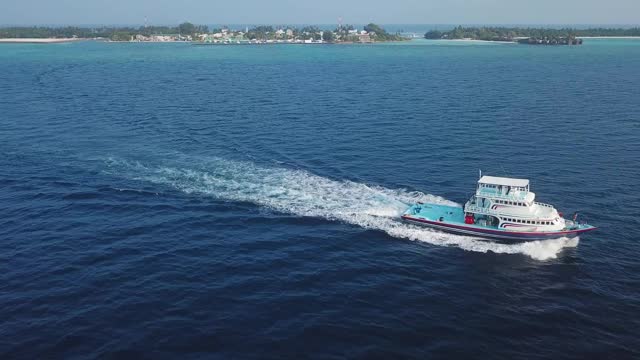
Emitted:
pixel 501 208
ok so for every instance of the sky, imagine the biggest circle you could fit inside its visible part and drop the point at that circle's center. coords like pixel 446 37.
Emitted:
pixel 164 12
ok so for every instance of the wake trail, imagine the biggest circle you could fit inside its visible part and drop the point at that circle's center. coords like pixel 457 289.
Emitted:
pixel 302 193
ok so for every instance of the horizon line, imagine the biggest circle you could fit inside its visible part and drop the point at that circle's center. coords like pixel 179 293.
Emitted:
pixel 318 23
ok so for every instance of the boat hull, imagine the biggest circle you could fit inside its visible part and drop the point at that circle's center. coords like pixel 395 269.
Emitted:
pixel 494 234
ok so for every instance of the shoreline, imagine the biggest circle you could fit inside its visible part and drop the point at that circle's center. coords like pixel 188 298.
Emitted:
pixel 38 40
pixel 608 37
pixel 472 40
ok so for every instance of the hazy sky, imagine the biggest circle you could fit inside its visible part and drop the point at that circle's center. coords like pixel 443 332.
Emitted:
pixel 29 12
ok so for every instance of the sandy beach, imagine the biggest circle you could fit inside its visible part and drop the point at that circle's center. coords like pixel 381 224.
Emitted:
pixel 37 40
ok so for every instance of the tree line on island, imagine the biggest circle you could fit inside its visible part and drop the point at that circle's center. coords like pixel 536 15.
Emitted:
pixel 514 33
pixel 184 31
pixel 113 33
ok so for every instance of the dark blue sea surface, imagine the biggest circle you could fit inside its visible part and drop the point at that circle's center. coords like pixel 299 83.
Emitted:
pixel 180 201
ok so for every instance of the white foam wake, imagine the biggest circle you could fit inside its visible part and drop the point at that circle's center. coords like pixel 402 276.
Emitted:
pixel 304 194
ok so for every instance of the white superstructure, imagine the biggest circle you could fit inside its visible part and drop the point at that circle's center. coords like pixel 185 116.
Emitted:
pixel 508 204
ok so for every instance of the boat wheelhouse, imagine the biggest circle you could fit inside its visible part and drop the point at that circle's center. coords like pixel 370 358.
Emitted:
pixel 500 208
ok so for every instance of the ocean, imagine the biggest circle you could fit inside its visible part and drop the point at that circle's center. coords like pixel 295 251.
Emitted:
pixel 179 201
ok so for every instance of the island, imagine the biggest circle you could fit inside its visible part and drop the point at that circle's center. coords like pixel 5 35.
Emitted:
pixel 202 35
pixel 532 36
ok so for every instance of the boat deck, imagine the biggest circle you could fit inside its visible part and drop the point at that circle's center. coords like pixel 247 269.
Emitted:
pixel 435 212
pixel 451 215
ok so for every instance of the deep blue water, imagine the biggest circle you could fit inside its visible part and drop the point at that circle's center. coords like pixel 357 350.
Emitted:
pixel 176 201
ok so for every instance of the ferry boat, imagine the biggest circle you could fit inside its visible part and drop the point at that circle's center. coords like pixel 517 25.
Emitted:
pixel 501 208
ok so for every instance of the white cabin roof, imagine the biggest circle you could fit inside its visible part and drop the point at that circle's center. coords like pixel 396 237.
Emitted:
pixel 494 180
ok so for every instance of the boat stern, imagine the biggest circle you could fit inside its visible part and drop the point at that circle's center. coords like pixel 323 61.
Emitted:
pixel 434 212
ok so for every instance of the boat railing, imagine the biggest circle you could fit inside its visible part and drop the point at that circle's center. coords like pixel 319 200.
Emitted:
pixel 478 209
pixel 543 204
pixel 516 196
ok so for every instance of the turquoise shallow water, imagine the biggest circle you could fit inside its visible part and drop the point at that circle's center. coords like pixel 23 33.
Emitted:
pixel 169 200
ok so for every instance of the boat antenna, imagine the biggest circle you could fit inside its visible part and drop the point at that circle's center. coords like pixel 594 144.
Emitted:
pixel 479 174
